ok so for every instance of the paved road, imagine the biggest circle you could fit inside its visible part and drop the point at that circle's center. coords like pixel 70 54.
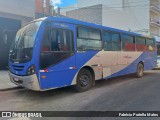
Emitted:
pixel 5 82
pixel 124 93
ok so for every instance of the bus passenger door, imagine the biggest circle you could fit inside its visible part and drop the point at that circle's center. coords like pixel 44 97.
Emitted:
pixel 111 48
pixel 110 63
pixel 126 56
pixel 114 65
pixel 58 57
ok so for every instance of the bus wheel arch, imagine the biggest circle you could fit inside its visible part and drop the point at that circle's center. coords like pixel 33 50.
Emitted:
pixel 85 79
pixel 92 73
pixel 140 69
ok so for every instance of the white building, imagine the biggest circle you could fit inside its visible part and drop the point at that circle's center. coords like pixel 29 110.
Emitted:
pixel 142 16
pixel 155 17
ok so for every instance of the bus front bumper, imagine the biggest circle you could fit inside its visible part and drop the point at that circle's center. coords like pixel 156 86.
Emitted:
pixel 30 82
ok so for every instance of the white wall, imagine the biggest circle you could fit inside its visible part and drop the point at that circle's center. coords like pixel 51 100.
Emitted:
pixel 18 7
pixel 134 16
pixel 88 14
pixel 116 4
pixel 23 10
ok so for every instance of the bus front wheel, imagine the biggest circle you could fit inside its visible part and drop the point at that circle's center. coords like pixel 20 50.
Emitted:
pixel 84 80
pixel 140 70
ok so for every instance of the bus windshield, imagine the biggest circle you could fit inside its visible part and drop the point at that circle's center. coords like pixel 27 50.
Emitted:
pixel 22 48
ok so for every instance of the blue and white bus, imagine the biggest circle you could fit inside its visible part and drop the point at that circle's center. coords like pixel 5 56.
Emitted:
pixel 55 52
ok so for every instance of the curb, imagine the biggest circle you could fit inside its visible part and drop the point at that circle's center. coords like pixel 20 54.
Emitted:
pixel 11 88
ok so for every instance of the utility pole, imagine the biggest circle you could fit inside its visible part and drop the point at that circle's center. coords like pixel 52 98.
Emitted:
pixel 58 11
pixel 51 9
pixel 44 8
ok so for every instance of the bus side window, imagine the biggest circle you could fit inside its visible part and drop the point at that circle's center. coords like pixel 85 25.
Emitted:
pixel 45 41
pixel 141 44
pixel 116 44
pixel 61 40
pixel 150 44
pixel 54 40
pixel 107 37
pixel 88 39
pixel 127 43
pixel 111 41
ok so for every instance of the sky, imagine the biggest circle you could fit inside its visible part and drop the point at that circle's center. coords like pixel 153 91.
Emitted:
pixel 63 3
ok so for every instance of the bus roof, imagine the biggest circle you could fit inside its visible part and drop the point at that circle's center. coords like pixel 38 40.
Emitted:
pixel 93 25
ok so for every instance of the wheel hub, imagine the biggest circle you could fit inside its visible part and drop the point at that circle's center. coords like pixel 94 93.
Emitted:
pixel 84 80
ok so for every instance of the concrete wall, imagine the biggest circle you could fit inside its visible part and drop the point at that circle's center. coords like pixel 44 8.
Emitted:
pixel 134 17
pixel 18 7
pixel 91 14
pixel 23 10
pixel 115 4
pixel 13 15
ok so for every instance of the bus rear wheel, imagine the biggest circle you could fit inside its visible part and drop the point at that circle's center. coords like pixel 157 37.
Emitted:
pixel 140 70
pixel 84 80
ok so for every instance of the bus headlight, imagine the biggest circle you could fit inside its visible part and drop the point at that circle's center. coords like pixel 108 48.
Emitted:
pixel 31 70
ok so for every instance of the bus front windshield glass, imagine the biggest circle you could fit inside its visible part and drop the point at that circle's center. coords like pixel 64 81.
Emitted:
pixel 22 48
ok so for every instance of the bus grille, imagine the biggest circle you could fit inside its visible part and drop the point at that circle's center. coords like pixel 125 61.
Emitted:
pixel 18 68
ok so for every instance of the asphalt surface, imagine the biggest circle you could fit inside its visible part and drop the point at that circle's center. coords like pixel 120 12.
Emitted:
pixel 5 82
pixel 125 93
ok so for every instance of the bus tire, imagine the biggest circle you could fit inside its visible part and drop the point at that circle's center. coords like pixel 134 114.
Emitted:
pixel 140 70
pixel 84 80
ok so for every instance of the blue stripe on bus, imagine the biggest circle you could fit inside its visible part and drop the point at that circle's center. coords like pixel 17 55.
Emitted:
pixel 148 64
pixel 61 74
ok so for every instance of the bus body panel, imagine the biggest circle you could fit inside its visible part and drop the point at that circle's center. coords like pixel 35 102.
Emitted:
pixel 19 68
pixel 109 60
pixel 131 68
pixel 63 73
pixel 57 75
pixel 30 82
